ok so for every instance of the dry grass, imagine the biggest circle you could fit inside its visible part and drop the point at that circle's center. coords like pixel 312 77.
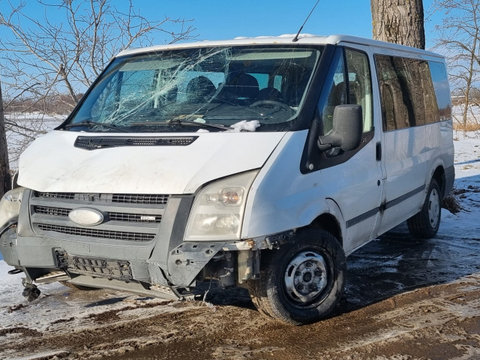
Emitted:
pixel 468 127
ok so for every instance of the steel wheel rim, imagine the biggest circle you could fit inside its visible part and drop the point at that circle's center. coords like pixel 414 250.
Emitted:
pixel 433 208
pixel 305 277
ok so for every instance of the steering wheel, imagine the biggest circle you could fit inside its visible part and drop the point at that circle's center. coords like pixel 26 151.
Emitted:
pixel 272 104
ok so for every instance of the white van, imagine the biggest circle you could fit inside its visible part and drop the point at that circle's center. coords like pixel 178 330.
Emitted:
pixel 253 162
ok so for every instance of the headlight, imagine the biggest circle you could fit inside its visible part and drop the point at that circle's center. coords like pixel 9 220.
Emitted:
pixel 10 205
pixel 217 212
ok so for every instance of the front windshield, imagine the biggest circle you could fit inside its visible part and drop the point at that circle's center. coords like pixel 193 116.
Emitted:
pixel 212 88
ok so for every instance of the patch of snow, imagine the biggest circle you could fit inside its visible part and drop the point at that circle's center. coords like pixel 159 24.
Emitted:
pixel 245 126
pixel 465 224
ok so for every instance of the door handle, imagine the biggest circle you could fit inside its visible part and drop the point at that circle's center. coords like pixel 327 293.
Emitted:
pixel 378 151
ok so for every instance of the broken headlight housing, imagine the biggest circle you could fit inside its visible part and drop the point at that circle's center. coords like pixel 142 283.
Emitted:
pixel 217 212
pixel 10 206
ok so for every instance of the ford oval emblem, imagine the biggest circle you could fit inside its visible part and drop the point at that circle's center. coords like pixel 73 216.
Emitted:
pixel 86 216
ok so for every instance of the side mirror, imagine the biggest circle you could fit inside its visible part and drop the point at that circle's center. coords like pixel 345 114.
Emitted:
pixel 347 129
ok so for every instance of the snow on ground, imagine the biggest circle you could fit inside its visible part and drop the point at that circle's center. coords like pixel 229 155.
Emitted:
pixel 465 224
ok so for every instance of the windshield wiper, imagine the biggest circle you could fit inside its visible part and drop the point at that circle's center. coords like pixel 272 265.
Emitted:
pixel 199 124
pixel 91 124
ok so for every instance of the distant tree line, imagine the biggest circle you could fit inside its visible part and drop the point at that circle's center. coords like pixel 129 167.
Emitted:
pixel 55 104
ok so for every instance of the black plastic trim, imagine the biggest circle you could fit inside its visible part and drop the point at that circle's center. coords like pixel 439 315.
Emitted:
pixel 102 142
pixel 404 197
pixel 180 222
pixel 383 207
pixel 362 217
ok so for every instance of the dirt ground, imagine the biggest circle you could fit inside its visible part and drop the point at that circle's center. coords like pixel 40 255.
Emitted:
pixel 404 300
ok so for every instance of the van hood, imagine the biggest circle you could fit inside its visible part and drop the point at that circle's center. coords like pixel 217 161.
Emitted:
pixel 53 163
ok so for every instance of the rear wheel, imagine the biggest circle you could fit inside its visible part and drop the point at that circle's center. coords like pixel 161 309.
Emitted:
pixel 425 223
pixel 302 282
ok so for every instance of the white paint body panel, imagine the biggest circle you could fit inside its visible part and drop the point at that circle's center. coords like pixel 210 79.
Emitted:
pixel 53 164
pixel 283 198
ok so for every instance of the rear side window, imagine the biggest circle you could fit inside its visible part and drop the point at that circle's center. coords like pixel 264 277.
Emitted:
pixel 442 89
pixel 407 91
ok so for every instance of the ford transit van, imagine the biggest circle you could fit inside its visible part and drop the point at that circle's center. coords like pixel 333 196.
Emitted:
pixel 256 162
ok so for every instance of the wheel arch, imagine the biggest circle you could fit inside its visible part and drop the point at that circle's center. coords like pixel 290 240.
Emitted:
pixel 439 176
pixel 329 223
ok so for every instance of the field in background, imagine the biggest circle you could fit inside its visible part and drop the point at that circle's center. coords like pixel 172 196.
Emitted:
pixel 23 128
pixel 473 121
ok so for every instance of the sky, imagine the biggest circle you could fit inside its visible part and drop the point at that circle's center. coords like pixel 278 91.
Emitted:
pixel 220 19
pixel 226 19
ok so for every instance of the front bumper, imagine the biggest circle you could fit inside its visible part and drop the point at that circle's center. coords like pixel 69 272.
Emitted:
pixel 46 240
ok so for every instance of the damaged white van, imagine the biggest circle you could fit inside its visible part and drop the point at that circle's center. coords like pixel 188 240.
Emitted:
pixel 253 162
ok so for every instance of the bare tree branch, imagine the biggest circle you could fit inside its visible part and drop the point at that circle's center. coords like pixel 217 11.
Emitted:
pixel 460 38
pixel 47 65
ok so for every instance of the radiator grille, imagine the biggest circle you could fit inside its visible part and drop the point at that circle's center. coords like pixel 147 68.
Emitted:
pixel 115 216
pixel 140 199
pixel 130 217
pixel 62 196
pixel 118 235
pixel 148 199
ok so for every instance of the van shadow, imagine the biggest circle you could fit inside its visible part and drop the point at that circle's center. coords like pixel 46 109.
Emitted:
pixel 396 263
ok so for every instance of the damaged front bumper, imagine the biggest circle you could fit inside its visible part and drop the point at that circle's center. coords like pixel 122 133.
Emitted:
pixel 48 246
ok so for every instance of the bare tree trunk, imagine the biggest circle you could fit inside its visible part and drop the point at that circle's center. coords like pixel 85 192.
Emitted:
pixel 468 87
pixel 399 21
pixel 5 180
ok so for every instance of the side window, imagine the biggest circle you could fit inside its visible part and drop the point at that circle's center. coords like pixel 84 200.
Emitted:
pixel 427 110
pixel 407 92
pixel 277 82
pixel 360 85
pixel 417 89
pixel 395 112
pixel 349 83
pixel 442 89
pixel 262 80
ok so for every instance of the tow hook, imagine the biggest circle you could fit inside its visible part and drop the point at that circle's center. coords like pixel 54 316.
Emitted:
pixel 30 291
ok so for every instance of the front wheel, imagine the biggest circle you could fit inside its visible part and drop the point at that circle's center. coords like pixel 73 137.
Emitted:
pixel 303 281
pixel 425 223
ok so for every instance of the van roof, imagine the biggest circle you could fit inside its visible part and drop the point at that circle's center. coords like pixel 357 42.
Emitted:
pixel 304 39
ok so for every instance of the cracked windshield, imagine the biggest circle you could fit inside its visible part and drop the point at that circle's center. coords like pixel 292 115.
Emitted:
pixel 205 89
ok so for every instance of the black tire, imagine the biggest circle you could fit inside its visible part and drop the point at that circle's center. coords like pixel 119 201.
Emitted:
pixel 426 222
pixel 314 260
